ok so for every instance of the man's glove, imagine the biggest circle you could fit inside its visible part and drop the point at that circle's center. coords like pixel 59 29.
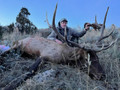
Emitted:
pixel 87 26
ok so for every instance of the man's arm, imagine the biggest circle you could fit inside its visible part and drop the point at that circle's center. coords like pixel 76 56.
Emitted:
pixel 52 36
pixel 82 33
pixel 78 34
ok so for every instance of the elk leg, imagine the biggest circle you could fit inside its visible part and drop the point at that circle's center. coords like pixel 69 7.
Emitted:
pixel 16 82
pixel 34 67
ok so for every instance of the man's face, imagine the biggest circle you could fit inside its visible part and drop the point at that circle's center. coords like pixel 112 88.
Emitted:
pixel 63 24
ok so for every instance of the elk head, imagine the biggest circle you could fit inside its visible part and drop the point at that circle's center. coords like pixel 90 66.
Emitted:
pixel 96 70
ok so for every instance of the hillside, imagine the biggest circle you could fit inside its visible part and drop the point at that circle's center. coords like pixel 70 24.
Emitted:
pixel 51 76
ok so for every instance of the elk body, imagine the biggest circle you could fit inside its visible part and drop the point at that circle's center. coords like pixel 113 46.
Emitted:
pixel 58 53
pixel 49 49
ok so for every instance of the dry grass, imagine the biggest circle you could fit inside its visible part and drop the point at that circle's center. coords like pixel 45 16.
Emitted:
pixel 63 77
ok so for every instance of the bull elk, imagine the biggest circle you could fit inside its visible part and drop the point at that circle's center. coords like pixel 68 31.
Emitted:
pixel 58 53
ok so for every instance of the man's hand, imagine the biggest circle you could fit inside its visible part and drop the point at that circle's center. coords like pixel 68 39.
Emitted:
pixel 58 41
pixel 87 26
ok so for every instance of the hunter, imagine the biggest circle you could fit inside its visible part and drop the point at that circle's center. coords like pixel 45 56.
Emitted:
pixel 72 35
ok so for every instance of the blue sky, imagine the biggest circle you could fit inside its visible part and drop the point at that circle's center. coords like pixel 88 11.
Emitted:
pixel 76 11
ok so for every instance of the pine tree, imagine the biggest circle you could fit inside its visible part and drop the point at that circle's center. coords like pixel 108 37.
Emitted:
pixel 23 22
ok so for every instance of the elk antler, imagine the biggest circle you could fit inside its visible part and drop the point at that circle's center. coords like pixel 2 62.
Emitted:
pixel 54 27
pixel 96 25
pixel 65 34
pixel 48 21
pixel 96 20
pixel 83 47
pixel 59 35
pixel 103 28
pixel 106 36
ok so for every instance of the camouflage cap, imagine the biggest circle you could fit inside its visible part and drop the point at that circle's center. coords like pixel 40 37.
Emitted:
pixel 63 19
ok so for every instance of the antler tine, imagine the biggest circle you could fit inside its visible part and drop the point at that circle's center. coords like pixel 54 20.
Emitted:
pixel 113 28
pixel 105 48
pixel 96 20
pixel 48 21
pixel 54 27
pixel 103 26
pixel 96 25
pixel 65 34
pixel 71 42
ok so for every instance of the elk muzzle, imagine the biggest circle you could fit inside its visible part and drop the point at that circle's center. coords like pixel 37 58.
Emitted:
pixel 96 71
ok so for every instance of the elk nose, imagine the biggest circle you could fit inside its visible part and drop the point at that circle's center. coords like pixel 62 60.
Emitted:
pixel 103 77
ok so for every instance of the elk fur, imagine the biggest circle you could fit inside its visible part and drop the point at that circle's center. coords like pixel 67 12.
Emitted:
pixel 49 49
